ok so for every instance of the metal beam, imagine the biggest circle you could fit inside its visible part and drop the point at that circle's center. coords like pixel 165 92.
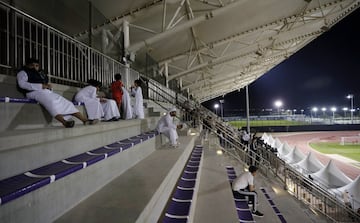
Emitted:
pixel 214 13
pixel 289 20
pixel 235 55
pixel 223 77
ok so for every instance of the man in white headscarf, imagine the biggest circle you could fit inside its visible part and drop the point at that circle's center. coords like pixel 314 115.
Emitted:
pixel 136 92
pixel 167 127
pixel 35 85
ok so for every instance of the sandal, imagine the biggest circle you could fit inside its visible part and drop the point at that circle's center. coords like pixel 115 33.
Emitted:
pixel 69 124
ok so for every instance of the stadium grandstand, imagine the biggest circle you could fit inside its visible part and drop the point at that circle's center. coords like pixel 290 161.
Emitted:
pixel 185 52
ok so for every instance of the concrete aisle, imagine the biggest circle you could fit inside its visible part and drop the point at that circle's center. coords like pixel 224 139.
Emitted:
pixel 214 201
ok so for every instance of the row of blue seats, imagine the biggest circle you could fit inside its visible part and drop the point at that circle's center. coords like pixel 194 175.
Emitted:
pixel 241 203
pixel 19 185
pixel 273 206
pixel 26 101
pixel 178 209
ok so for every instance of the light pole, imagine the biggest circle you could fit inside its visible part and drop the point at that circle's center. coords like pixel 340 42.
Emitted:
pixel 351 97
pixel 222 107
pixel 333 109
pixel 315 109
pixel 278 105
pixel 323 110
pixel 345 110
pixel 216 106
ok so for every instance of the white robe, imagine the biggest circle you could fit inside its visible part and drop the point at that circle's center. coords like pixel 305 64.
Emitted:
pixel 126 104
pixel 54 103
pixel 94 108
pixel 167 127
pixel 138 109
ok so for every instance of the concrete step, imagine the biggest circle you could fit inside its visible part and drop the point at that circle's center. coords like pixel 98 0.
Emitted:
pixel 49 201
pixel 35 148
pixel 138 195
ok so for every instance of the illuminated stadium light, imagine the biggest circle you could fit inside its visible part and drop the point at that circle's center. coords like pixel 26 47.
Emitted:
pixel 216 106
pixel 278 103
pixel 351 97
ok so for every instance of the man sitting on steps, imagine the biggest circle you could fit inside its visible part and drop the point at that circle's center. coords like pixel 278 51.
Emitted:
pixel 35 85
pixel 244 185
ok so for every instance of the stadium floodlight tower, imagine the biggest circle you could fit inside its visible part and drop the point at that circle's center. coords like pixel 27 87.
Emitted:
pixel 222 107
pixel 323 109
pixel 216 106
pixel 351 97
pixel 333 109
pixel 315 109
pixel 345 109
pixel 278 105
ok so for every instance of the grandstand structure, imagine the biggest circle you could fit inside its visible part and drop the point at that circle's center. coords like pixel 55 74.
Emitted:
pixel 125 170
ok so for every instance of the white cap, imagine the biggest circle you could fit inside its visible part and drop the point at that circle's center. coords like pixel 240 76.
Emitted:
pixel 172 109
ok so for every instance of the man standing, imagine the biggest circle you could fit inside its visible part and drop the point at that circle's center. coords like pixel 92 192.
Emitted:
pixel 36 86
pixel 116 90
pixel 167 127
pixel 244 185
pixel 136 92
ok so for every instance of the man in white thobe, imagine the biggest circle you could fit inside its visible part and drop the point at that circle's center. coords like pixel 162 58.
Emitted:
pixel 167 127
pixel 136 92
pixel 97 107
pixel 126 104
pixel 35 85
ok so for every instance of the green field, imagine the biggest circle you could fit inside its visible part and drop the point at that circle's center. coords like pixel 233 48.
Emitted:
pixel 239 124
pixel 349 151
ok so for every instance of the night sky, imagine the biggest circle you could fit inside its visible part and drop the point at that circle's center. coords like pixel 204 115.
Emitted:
pixel 320 74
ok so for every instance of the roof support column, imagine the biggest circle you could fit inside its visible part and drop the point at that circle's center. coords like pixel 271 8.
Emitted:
pixel 166 73
pixel 126 45
pixel 247 109
pixel 180 83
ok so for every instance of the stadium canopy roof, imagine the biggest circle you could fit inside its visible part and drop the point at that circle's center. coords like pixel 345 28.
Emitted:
pixel 210 47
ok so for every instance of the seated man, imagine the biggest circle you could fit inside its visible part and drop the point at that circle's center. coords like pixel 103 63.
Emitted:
pixel 244 185
pixel 97 107
pixel 36 86
pixel 167 127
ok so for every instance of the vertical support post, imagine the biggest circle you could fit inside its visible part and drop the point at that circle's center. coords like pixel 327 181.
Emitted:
pixel 166 73
pixel 352 109
pixel 247 110
pixel 164 16
pixel 103 41
pixel 11 56
pixel 126 45
pixel 90 24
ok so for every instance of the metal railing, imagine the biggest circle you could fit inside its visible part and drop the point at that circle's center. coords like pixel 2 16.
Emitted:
pixel 303 188
pixel 313 194
pixel 62 57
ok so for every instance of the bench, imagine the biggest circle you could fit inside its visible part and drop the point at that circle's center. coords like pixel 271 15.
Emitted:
pixel 28 101
pixel 24 113
pixel 19 185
